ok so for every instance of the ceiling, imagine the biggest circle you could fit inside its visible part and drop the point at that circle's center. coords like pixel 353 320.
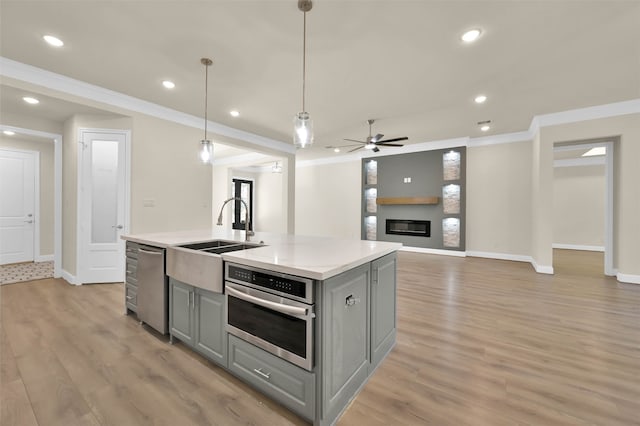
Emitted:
pixel 399 62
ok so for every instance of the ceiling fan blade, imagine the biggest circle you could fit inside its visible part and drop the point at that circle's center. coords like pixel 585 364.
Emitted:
pixel 353 140
pixel 375 149
pixel 377 137
pixel 403 138
pixel 355 149
pixel 388 144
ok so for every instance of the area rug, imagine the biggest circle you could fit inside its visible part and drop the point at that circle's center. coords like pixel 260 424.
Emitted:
pixel 28 271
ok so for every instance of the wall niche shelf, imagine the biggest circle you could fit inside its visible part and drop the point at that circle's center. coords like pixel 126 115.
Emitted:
pixel 407 200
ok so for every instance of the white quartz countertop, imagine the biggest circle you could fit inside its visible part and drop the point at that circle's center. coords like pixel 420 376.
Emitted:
pixel 312 257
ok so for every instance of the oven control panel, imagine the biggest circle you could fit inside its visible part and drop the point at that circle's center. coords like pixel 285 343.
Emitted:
pixel 288 285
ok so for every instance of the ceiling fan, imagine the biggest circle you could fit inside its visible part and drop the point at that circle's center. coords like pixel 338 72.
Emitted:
pixel 373 142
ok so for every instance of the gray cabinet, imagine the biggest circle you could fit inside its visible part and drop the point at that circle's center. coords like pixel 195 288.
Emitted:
pixel 181 312
pixel 197 318
pixel 210 335
pixel 289 384
pixel 383 307
pixel 131 277
pixel 345 338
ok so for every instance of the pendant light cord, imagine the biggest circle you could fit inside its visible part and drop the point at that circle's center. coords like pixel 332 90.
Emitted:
pixel 206 95
pixel 304 56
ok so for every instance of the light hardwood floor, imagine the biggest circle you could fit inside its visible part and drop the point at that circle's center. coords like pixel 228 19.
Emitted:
pixel 480 342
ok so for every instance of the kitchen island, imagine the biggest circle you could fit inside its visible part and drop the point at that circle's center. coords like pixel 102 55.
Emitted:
pixel 330 322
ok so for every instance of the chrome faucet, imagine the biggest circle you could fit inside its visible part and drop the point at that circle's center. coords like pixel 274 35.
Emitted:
pixel 247 231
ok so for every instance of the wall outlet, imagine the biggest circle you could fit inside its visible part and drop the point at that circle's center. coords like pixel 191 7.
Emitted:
pixel 407 180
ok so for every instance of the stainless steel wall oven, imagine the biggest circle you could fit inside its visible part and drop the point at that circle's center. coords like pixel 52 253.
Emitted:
pixel 273 311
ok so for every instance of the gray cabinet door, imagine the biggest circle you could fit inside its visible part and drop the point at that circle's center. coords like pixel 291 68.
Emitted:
pixel 345 338
pixel 383 307
pixel 181 315
pixel 210 320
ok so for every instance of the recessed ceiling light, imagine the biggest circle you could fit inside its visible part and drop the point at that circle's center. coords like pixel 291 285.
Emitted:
pixel 30 100
pixel 599 150
pixel 53 41
pixel 234 113
pixel 471 35
pixel 168 84
pixel 336 149
pixel 8 132
pixel 480 99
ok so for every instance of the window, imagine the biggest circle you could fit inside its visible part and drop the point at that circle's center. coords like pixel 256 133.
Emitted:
pixel 242 189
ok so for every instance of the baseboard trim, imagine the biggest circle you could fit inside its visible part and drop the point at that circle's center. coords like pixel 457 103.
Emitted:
pixel 71 279
pixel 434 251
pixel 44 258
pixel 542 269
pixel 628 278
pixel 500 256
pixel 577 247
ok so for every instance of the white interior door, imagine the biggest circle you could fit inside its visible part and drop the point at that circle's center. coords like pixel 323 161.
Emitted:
pixel 102 206
pixel 17 199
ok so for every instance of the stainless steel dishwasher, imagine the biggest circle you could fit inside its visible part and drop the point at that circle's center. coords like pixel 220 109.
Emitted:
pixel 152 288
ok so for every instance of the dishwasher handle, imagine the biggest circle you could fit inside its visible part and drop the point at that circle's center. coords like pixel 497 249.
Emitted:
pixel 152 252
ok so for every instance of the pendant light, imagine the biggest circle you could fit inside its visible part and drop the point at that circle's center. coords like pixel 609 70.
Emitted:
pixel 302 123
pixel 206 148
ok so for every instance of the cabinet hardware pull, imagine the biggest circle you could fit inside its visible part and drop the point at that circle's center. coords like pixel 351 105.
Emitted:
pixel 285 309
pixel 262 373
pixel 350 300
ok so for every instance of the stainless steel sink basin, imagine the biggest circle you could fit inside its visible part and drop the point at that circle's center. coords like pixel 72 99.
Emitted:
pixel 200 264
pixel 210 244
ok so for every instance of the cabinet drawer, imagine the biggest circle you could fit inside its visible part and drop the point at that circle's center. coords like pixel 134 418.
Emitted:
pixel 131 297
pixel 132 250
pixel 132 266
pixel 289 384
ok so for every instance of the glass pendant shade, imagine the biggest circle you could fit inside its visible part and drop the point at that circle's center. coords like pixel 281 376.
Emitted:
pixel 302 130
pixel 206 151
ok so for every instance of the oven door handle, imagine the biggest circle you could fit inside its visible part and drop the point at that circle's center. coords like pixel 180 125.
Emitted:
pixel 279 307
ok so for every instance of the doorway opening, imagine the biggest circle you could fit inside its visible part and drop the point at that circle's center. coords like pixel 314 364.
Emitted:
pixel 583 200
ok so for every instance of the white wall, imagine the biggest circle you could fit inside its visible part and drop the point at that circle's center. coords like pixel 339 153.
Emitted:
pixel 578 205
pixel 328 200
pixel 499 199
pixel 269 215
pixel 45 217
pixel 166 172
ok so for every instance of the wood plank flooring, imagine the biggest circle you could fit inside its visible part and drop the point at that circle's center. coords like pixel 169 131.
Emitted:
pixel 480 342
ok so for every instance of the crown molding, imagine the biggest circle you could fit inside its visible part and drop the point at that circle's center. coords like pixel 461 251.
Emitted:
pixel 585 114
pixel 30 132
pixel 41 77
pixel 61 83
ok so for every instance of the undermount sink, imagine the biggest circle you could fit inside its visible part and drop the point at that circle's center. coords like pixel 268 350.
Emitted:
pixel 200 264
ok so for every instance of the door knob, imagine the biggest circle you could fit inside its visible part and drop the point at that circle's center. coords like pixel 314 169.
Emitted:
pixel 29 221
pixel 118 226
